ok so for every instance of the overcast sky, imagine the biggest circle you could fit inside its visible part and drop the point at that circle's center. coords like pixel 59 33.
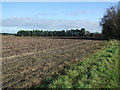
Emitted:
pixel 53 15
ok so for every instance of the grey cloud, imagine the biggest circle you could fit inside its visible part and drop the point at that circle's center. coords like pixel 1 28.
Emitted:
pixel 49 24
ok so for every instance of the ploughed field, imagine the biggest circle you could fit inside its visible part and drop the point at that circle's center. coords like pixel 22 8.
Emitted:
pixel 28 60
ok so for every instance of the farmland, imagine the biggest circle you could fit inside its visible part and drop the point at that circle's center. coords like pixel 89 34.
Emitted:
pixel 28 60
pixel 99 70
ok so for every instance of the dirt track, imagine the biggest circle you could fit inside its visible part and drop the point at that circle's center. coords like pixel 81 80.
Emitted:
pixel 28 60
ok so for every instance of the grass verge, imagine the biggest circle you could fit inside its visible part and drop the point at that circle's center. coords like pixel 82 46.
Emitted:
pixel 99 70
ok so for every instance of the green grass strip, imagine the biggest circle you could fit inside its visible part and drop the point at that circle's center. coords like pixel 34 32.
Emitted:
pixel 99 70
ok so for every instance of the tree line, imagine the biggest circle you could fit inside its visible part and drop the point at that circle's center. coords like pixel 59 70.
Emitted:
pixel 111 23
pixel 72 32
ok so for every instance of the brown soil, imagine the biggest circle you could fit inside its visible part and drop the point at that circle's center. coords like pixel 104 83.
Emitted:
pixel 28 60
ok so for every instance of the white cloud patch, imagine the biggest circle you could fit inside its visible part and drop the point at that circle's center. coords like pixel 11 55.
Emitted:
pixel 50 24
pixel 75 13
pixel 79 13
pixel 48 14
